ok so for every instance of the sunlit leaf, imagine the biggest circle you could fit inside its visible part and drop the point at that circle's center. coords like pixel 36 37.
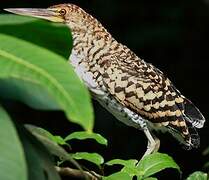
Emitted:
pixel 92 157
pixel 86 135
pixel 154 163
pixel 27 62
pixel 198 176
pixel 129 166
pixel 130 163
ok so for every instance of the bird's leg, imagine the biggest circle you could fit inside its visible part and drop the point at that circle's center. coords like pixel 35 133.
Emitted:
pixel 153 143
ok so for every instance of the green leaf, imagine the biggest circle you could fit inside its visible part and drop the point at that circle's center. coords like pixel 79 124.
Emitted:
pixel 24 61
pixel 45 138
pixel 154 163
pixel 12 160
pixel 86 135
pixel 198 176
pixel 39 160
pixel 42 132
pixel 118 176
pixel 129 166
pixel 10 19
pixel 91 157
pixel 53 36
pixel 130 163
pixel 31 93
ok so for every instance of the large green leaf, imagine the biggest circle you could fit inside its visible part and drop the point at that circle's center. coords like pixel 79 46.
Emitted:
pixel 31 93
pixel 12 159
pixel 86 135
pixel 11 19
pixel 55 37
pixel 24 61
pixel 154 163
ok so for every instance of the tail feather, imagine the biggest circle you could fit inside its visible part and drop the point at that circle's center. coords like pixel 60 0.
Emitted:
pixel 184 127
pixel 185 132
pixel 195 138
pixel 192 114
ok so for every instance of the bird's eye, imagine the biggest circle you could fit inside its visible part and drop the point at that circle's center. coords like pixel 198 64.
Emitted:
pixel 62 12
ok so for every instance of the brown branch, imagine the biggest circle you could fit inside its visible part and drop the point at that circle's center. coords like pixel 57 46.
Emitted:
pixel 75 173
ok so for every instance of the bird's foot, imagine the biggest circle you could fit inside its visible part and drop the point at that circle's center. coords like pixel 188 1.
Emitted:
pixel 153 143
pixel 152 147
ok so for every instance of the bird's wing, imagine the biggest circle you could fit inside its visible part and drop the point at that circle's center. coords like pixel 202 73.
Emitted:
pixel 145 90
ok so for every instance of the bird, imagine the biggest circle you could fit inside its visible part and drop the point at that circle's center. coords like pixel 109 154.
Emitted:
pixel 134 91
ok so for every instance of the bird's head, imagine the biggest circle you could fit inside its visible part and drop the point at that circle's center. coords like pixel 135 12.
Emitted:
pixel 69 14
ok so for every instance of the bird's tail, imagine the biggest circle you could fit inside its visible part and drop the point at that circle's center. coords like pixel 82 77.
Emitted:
pixel 193 115
pixel 185 126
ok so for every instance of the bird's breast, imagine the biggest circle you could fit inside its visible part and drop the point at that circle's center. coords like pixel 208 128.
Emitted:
pixel 90 73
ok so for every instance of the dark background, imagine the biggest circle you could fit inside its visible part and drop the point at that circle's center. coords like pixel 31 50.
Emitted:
pixel 172 35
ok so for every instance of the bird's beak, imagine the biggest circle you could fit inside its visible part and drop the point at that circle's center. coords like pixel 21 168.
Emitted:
pixel 48 14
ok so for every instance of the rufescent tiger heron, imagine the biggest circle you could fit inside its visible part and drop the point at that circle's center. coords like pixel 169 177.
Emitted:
pixel 135 92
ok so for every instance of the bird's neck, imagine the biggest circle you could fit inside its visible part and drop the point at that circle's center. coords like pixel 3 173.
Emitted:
pixel 88 37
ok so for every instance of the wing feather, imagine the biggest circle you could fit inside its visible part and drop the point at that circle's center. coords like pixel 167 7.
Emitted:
pixel 147 91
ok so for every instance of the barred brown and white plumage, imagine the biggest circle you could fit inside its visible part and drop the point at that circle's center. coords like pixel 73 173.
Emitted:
pixel 134 91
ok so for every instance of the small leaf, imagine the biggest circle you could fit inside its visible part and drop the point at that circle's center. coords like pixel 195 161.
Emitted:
pixel 91 157
pixel 198 176
pixel 118 176
pixel 59 140
pixel 86 135
pixel 129 166
pixel 154 163
pixel 12 159
pixel 40 131
pixel 129 163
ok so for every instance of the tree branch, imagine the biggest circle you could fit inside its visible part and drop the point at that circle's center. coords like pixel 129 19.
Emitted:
pixel 74 173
